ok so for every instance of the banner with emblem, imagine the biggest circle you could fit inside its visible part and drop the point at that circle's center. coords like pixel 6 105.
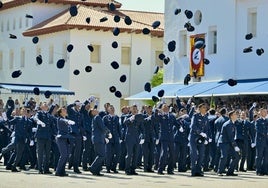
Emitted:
pixel 197 55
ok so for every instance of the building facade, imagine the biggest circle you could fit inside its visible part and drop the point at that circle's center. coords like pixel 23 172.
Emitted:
pixel 224 25
pixel 56 29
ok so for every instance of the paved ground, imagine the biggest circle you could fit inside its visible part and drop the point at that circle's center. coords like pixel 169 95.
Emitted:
pixel 30 179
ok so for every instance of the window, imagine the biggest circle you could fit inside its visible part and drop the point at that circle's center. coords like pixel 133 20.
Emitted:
pixel 38 51
pixel 1 60
pixel 212 40
pixel 22 57
pixel 7 25
pixel 158 62
pixel 183 44
pixel 11 59
pixel 125 56
pixel 64 51
pixel 252 21
pixel 14 24
pixel 20 23
pixel 2 26
pixel 95 55
pixel 26 22
pixel 51 54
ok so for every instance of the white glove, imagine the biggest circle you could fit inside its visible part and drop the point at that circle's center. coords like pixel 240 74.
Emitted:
pixel 120 141
pixel 84 138
pixel 132 118
pixel 70 122
pixel 31 143
pixel 96 103
pixel 181 129
pixel 4 116
pixel 157 141
pixel 110 135
pixel 106 140
pixel 209 140
pixel 142 141
pixel 253 145
pixel 41 123
pixel 91 99
pixel 34 129
pixel 236 149
pixel 254 104
pixel 78 103
pixel 203 135
pixel 206 142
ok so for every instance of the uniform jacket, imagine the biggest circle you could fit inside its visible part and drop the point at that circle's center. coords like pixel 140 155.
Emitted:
pixel 227 135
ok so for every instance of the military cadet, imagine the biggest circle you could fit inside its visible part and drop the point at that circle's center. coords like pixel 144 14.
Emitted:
pixel 55 154
pixel 261 141
pixel 77 131
pixel 166 122
pixel 199 131
pixel 43 135
pixel 123 153
pixel 181 140
pixel 149 140
pixel 5 133
pixel 228 146
pixel 22 130
pixel 133 137
pixel 241 138
pixel 210 148
pixel 112 148
pixel 99 134
pixel 10 106
pixel 63 140
pixel 105 112
pixel 252 146
pixel 88 150
pixel 217 126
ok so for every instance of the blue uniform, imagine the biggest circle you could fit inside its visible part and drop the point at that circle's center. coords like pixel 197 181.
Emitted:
pixel 227 143
pixel 22 128
pixel 149 143
pixel 63 141
pixel 217 130
pixel 261 141
pixel 241 137
pixel 181 142
pixel 88 152
pixel 133 134
pixel 199 124
pixel 166 138
pixel 112 149
pixel 4 137
pixel 123 153
pixel 76 131
pixel 44 138
pixel 99 132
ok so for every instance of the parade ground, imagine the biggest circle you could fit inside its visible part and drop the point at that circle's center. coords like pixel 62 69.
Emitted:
pixel 31 179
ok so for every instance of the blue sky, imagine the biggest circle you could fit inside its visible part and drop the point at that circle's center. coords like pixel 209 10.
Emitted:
pixel 144 5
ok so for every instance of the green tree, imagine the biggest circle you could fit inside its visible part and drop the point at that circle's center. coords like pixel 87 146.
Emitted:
pixel 156 80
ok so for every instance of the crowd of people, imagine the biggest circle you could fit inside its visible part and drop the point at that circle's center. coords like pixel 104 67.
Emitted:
pixel 194 135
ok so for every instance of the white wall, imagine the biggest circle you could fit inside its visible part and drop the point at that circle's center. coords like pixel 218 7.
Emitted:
pixel 231 23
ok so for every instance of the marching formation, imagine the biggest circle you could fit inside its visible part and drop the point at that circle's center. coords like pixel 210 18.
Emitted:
pixel 161 138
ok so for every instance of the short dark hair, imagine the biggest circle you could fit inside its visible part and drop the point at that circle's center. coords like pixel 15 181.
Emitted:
pixel 223 111
pixel 231 113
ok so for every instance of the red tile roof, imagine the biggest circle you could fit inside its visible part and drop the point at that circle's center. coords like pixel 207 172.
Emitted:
pixel 7 4
pixel 64 21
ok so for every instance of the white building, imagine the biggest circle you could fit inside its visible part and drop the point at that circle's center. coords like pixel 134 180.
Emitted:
pixel 224 25
pixel 53 24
